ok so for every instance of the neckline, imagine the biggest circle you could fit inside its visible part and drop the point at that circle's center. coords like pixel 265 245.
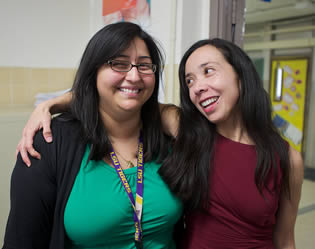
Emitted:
pixel 129 171
pixel 235 142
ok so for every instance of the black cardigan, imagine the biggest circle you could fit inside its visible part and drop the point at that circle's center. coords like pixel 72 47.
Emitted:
pixel 39 193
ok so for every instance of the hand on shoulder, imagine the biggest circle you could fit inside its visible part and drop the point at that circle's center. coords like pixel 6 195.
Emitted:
pixel 40 118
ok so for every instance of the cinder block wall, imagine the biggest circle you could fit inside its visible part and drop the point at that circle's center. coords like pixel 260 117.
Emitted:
pixel 19 85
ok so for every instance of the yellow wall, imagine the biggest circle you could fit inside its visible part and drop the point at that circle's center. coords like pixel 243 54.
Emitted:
pixel 19 85
pixel 172 80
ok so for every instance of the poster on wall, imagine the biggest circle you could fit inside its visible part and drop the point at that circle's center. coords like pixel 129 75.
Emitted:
pixel 288 96
pixel 137 11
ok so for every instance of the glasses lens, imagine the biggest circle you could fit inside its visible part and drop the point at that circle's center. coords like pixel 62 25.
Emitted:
pixel 125 66
pixel 146 68
pixel 121 66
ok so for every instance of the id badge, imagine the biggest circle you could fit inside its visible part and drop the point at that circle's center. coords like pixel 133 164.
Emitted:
pixel 139 244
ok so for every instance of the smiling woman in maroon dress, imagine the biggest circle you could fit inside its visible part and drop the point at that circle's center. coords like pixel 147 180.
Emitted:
pixel 240 180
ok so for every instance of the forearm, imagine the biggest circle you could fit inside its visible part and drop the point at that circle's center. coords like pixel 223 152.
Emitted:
pixel 288 243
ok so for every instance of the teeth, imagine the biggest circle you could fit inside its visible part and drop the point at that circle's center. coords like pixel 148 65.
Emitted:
pixel 209 101
pixel 126 90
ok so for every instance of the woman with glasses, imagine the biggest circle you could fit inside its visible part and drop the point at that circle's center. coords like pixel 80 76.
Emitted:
pixel 239 180
pixel 97 184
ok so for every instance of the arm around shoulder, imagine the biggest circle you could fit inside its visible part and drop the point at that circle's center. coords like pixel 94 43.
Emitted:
pixel 288 204
pixel 41 118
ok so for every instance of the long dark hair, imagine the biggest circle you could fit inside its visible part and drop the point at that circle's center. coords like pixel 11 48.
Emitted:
pixel 107 44
pixel 188 170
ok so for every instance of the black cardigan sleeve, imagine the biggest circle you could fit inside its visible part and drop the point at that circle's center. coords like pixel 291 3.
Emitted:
pixel 33 198
pixel 39 194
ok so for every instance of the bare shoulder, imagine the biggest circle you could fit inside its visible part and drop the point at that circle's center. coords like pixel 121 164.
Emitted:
pixel 169 109
pixel 170 118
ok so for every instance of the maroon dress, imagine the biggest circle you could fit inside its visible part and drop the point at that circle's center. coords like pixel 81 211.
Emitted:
pixel 238 216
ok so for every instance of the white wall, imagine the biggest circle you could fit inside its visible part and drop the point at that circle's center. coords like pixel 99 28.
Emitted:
pixel 192 24
pixel 43 33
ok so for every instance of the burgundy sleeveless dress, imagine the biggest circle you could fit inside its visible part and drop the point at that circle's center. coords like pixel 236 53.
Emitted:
pixel 238 217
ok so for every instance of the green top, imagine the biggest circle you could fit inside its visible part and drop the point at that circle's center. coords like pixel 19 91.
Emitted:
pixel 99 215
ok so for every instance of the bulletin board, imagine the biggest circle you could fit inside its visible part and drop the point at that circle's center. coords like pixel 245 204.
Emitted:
pixel 288 97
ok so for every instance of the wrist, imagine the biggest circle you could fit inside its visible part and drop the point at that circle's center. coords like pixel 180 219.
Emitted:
pixel 59 104
pixel 45 106
pixel 51 106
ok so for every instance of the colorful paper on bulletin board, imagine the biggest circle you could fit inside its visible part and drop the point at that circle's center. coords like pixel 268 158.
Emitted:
pixel 289 112
pixel 111 6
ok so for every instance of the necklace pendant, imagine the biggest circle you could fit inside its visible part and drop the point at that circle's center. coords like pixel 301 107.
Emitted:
pixel 130 164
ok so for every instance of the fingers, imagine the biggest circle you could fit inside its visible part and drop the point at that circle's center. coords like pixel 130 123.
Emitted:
pixel 17 150
pixel 47 131
pixel 21 149
pixel 25 157
pixel 40 118
pixel 27 143
pixel 25 147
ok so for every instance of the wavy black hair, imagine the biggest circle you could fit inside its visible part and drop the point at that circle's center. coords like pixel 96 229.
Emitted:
pixel 107 44
pixel 188 170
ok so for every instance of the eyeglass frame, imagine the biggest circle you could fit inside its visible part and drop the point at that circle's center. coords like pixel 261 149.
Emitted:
pixel 109 62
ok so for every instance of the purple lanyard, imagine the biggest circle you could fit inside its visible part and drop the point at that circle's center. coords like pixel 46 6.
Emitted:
pixel 137 205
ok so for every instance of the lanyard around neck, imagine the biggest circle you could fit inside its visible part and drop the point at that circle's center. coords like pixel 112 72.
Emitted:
pixel 136 205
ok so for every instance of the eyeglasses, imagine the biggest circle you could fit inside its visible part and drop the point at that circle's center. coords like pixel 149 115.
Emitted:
pixel 125 66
